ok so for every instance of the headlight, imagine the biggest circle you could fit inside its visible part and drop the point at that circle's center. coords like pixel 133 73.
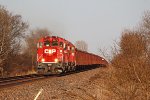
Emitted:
pixel 56 60
pixel 43 60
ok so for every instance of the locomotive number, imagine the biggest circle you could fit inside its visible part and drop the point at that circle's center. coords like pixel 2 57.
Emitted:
pixel 49 51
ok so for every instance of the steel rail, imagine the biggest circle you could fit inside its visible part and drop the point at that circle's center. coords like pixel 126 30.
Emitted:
pixel 10 81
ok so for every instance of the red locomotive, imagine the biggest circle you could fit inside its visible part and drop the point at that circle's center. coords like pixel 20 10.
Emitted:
pixel 56 55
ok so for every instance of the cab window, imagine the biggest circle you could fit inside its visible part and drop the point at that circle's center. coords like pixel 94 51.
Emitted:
pixel 61 44
pixel 39 45
pixel 55 43
pixel 47 43
pixel 72 49
pixel 65 47
pixel 68 47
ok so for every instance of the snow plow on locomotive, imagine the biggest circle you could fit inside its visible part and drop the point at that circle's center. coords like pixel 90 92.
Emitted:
pixel 56 55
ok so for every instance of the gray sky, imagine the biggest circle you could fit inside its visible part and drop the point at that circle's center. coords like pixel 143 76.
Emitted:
pixel 98 22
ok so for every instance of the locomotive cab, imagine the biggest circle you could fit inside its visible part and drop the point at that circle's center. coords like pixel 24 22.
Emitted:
pixel 54 55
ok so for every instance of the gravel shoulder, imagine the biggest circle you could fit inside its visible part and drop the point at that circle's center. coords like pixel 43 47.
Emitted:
pixel 78 86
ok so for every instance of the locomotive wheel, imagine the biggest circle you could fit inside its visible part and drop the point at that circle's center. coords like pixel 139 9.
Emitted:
pixel 69 68
pixel 74 68
pixel 65 70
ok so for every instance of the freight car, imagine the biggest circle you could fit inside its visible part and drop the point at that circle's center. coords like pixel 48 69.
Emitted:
pixel 56 55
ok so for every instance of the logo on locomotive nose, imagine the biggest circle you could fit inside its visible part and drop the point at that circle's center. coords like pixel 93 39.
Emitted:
pixel 49 51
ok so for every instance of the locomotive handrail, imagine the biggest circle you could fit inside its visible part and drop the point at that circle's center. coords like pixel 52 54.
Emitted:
pixel 39 57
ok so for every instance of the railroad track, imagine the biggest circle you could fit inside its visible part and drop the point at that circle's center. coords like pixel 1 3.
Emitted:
pixel 11 81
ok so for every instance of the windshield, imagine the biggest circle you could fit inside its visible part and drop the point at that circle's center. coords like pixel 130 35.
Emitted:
pixel 55 43
pixel 46 43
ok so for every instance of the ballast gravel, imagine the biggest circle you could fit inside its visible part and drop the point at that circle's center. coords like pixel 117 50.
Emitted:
pixel 77 86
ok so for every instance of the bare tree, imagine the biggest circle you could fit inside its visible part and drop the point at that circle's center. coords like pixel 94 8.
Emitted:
pixel 129 79
pixel 31 43
pixel 145 29
pixel 146 21
pixel 12 29
pixel 81 45
pixel 131 63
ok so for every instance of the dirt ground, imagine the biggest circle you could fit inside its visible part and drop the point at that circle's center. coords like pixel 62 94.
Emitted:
pixel 79 86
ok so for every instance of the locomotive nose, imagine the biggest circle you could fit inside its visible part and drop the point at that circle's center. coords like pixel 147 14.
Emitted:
pixel 50 54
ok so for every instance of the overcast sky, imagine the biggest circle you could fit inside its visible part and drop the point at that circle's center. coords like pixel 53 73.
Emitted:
pixel 98 22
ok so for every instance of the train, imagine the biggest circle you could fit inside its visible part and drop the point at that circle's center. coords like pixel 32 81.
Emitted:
pixel 55 55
